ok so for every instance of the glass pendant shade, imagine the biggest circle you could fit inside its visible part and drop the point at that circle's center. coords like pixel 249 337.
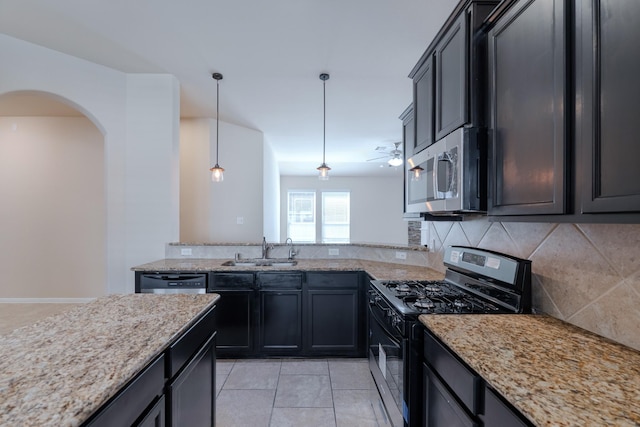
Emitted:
pixel 416 173
pixel 217 173
pixel 324 172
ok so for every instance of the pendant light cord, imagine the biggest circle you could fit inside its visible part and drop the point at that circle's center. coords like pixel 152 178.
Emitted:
pixel 324 118
pixel 217 116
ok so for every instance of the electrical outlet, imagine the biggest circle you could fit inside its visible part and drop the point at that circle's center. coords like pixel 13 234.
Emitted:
pixel 240 220
pixel 401 255
pixel 334 251
pixel 186 251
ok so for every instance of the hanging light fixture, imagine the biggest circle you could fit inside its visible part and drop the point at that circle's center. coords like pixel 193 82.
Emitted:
pixel 416 173
pixel 217 171
pixel 323 168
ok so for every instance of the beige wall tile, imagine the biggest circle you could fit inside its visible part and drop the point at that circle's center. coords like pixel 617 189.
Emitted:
pixel 615 314
pixel 527 236
pixel 619 243
pixel 571 270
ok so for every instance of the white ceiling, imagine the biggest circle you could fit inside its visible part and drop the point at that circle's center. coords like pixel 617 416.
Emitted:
pixel 270 53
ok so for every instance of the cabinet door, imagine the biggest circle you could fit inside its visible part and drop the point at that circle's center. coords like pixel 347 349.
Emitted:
pixel 155 417
pixel 441 408
pixel 423 102
pixel 236 322
pixel 192 393
pixel 607 69
pixel 499 413
pixel 527 55
pixel 332 321
pixel 408 132
pixel 280 321
pixel 451 79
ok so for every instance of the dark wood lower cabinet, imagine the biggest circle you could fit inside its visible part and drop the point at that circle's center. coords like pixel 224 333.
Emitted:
pixel 454 395
pixel 235 322
pixel 332 321
pixel 280 322
pixel 290 313
pixel 156 415
pixel 191 394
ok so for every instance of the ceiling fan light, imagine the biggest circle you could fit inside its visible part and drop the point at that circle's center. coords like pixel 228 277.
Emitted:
pixel 396 161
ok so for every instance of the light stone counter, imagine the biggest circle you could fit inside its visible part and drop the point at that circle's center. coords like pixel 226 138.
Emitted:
pixel 376 269
pixel 556 374
pixel 60 370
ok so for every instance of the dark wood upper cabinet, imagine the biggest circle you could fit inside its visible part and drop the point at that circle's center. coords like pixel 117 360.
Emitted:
pixel 608 102
pixel 527 55
pixel 451 79
pixel 447 80
pixel 423 112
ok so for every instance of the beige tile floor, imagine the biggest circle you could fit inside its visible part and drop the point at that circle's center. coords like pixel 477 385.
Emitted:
pixel 297 392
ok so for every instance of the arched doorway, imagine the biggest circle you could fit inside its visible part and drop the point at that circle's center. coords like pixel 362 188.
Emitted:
pixel 52 192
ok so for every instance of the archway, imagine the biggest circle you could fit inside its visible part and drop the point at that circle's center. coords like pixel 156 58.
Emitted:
pixel 52 187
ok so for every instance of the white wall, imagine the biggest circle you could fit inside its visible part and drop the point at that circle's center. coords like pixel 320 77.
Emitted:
pixel 240 195
pixel 125 109
pixel 271 192
pixel 53 215
pixel 195 179
pixel 376 206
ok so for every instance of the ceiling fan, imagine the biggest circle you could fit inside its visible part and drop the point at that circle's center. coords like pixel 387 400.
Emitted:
pixel 395 155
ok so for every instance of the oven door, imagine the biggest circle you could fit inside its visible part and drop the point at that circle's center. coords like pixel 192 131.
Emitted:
pixel 386 362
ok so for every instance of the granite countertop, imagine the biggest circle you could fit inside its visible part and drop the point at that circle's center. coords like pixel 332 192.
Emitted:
pixel 556 374
pixel 376 269
pixel 60 370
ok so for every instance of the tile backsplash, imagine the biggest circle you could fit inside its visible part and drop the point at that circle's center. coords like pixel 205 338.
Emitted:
pixel 584 274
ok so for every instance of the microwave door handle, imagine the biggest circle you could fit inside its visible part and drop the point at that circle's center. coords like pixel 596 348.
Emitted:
pixel 443 176
pixel 436 175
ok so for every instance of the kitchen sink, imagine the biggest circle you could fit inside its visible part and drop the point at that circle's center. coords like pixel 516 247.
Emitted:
pixel 261 262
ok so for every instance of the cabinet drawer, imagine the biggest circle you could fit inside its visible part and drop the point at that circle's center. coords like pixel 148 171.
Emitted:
pixel 231 281
pixel 333 279
pixel 185 347
pixel 279 280
pixel 460 379
pixel 126 406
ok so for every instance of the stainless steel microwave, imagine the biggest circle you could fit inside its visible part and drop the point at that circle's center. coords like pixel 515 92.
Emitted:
pixel 449 176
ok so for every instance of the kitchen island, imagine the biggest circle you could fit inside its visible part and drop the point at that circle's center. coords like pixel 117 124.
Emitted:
pixel 61 370
pixel 554 373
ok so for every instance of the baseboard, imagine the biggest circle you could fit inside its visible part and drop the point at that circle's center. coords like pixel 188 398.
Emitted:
pixel 45 300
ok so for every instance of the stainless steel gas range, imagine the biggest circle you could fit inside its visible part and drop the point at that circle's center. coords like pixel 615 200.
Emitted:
pixel 476 281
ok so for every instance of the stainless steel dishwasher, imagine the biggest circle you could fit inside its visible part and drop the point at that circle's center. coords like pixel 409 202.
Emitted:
pixel 171 283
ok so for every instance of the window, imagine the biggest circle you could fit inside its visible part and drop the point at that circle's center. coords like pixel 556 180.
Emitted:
pixel 301 222
pixel 334 226
pixel 335 217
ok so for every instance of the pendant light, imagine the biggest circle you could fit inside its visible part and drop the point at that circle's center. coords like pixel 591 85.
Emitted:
pixel 416 173
pixel 323 168
pixel 217 171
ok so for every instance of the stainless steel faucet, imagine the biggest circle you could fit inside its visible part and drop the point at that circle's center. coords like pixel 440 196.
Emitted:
pixel 292 251
pixel 265 248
